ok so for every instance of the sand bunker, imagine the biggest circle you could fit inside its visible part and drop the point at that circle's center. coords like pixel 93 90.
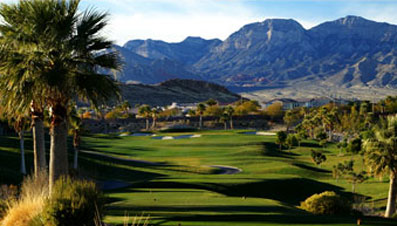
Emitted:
pixel 228 169
pixel 137 135
pixel 177 137
pixel 260 133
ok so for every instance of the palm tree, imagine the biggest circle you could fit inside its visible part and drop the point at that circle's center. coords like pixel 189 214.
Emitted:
pixel 67 47
pixel 145 111
pixel 155 115
pixel 200 110
pixel 21 124
pixel 18 66
pixel 381 156
pixel 76 123
pixel 229 111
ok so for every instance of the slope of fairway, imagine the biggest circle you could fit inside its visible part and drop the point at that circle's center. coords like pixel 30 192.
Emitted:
pixel 174 183
pixel 181 187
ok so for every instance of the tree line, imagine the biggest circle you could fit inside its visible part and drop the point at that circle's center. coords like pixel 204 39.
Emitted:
pixel 359 128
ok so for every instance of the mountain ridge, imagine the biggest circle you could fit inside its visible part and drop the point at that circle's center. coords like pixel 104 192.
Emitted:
pixel 347 52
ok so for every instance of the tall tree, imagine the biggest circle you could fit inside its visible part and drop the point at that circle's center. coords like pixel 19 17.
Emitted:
pixel 200 110
pixel 229 111
pixel 67 47
pixel 20 122
pixel 281 138
pixel 155 114
pixel 290 118
pixel 146 112
pixel 381 157
pixel 75 127
pixel 20 87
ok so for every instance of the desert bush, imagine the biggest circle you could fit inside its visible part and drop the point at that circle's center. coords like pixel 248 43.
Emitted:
pixel 327 203
pixel 317 157
pixel 8 194
pixel 73 202
pixel 30 203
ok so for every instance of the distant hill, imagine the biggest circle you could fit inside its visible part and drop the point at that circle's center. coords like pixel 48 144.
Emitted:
pixel 138 69
pixel 348 52
pixel 187 52
pixel 176 90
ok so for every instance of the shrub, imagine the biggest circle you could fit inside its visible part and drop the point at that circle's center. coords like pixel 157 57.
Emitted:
pixel 73 202
pixel 30 203
pixel 317 157
pixel 292 140
pixel 327 203
pixel 8 194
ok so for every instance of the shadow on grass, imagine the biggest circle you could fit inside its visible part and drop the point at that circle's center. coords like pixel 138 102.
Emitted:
pixel 273 150
pixel 109 160
pixel 10 159
pixel 310 145
pixel 120 210
pixel 102 168
pixel 281 219
pixel 291 191
pixel 311 168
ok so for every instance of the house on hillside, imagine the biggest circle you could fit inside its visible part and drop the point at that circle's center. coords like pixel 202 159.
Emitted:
pixel 287 103
pixel 318 102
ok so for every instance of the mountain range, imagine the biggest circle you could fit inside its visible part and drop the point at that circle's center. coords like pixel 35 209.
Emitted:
pixel 348 52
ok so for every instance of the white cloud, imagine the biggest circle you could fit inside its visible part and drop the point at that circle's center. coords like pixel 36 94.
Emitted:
pixel 174 20
pixel 174 27
pixel 206 18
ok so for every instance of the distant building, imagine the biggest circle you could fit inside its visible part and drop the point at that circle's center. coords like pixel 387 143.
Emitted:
pixel 287 103
pixel 318 102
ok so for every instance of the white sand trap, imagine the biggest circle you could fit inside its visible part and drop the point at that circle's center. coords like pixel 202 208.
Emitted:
pixel 177 137
pixel 266 134
pixel 124 135
pixel 228 169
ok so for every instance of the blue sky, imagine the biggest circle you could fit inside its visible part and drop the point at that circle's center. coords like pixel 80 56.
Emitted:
pixel 174 20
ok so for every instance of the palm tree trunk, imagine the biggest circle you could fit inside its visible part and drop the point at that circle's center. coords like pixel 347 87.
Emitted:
pixel 147 124
pixel 330 135
pixel 154 123
pixel 225 125
pixel 231 123
pixel 391 200
pixel 201 122
pixel 76 141
pixel 40 162
pixel 76 158
pixel 58 150
pixel 22 146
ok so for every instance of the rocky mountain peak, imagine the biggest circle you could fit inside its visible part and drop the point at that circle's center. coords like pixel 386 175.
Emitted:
pixel 352 20
pixel 284 25
pixel 279 52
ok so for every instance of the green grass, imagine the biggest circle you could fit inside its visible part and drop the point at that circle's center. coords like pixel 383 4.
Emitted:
pixel 182 189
